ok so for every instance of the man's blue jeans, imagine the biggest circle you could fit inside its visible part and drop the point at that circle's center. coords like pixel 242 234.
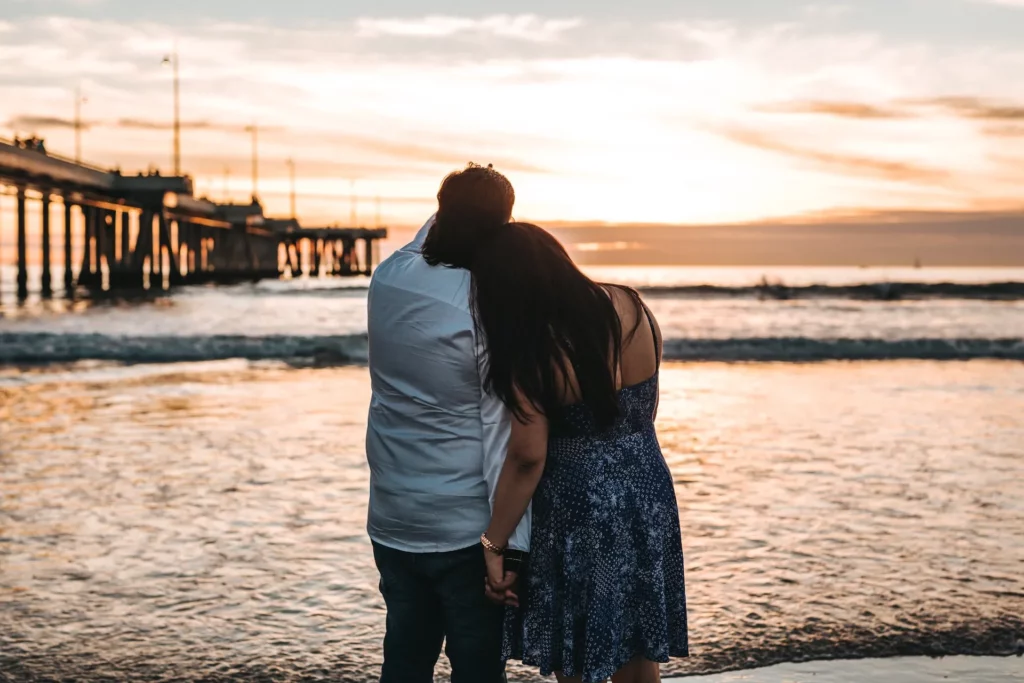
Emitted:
pixel 435 597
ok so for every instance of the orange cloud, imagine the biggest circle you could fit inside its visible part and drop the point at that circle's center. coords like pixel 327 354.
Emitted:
pixel 973 107
pixel 845 163
pixel 407 152
pixel 853 110
pixel 966 106
pixel 1005 131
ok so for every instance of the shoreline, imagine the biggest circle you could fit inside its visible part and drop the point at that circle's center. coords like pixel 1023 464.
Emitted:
pixel 965 668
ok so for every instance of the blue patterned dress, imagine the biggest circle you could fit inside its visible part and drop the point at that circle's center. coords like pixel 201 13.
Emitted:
pixel 605 575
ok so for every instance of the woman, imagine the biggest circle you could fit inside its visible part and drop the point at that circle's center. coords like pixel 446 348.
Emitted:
pixel 577 365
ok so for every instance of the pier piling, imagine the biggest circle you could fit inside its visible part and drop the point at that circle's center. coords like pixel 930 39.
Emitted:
pixel 86 270
pixel 69 272
pixel 22 247
pixel 125 250
pixel 47 276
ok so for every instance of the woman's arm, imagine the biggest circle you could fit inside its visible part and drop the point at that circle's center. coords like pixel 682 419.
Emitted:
pixel 524 465
pixel 659 351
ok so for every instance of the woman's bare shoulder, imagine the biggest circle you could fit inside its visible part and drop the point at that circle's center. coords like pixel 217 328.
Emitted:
pixel 627 304
pixel 624 298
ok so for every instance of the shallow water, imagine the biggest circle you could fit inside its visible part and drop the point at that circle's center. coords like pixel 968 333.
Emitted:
pixel 179 521
pixel 706 314
pixel 314 307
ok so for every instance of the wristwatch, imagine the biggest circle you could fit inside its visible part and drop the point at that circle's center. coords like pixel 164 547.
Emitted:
pixel 515 560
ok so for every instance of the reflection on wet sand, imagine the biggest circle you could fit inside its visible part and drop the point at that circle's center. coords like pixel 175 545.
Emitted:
pixel 175 521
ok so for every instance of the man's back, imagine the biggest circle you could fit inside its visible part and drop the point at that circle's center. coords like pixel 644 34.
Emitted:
pixel 436 443
pixel 429 419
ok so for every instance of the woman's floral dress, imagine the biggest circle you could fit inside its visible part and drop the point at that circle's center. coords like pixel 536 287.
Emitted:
pixel 605 577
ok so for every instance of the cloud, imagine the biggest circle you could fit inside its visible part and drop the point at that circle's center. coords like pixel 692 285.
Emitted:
pixel 214 165
pixel 439 156
pixel 1004 3
pixel 973 108
pixel 525 27
pixel 454 156
pixel 145 124
pixel 962 107
pixel 38 123
pixel 852 110
pixel 41 123
pixel 1005 130
pixel 573 108
pixel 827 10
pixel 848 164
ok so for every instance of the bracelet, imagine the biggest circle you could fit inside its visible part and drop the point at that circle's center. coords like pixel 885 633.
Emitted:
pixel 490 546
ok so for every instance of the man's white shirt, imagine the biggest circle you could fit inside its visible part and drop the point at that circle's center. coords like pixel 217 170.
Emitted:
pixel 436 440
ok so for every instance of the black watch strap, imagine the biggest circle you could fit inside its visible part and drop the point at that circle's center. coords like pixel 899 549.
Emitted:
pixel 514 560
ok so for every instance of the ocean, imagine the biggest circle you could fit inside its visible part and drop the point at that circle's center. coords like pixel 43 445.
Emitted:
pixel 183 484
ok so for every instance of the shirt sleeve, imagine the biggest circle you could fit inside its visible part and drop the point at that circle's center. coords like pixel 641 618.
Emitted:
pixel 497 428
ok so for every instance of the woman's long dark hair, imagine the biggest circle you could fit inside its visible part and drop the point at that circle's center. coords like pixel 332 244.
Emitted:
pixel 541 317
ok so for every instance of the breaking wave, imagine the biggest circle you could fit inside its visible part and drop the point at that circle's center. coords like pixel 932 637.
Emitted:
pixel 45 348
pixel 40 348
pixel 803 349
pixel 768 289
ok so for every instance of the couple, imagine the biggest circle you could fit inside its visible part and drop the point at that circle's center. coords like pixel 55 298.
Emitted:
pixel 502 375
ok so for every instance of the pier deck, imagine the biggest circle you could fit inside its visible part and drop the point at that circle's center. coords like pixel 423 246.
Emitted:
pixel 151 231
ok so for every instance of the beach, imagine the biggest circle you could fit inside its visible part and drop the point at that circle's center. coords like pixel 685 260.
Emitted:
pixel 184 485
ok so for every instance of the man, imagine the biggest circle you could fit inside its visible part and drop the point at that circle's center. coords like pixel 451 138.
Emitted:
pixel 435 444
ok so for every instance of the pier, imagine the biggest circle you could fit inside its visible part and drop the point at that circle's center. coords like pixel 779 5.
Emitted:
pixel 150 231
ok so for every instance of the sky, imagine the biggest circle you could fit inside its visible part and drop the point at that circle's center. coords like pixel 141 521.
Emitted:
pixel 620 112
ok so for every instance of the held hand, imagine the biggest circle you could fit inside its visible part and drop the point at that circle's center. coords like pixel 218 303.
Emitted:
pixel 495 570
pixel 508 596
pixel 498 584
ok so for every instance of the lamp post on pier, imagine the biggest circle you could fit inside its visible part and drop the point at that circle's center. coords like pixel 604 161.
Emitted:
pixel 254 129
pixel 291 173
pixel 172 61
pixel 79 101
pixel 352 202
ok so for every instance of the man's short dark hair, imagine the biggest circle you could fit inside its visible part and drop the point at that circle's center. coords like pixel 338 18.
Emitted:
pixel 470 203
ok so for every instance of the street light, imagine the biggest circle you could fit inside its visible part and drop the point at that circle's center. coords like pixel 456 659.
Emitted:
pixel 79 101
pixel 291 171
pixel 254 129
pixel 352 202
pixel 172 61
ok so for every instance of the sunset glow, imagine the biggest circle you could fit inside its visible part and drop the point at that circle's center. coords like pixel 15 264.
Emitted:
pixel 663 116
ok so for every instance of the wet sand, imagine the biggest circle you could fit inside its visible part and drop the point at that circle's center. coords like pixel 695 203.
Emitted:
pixel 896 670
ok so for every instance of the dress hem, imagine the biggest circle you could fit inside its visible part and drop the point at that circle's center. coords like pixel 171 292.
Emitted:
pixel 548 671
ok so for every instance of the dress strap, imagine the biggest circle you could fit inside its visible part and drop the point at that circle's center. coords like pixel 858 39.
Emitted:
pixel 654 335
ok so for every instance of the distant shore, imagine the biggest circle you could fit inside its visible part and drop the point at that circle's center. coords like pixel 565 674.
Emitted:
pixel 927 240
pixel 866 239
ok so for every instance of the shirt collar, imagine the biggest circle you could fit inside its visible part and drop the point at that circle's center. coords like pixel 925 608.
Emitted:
pixel 421 236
